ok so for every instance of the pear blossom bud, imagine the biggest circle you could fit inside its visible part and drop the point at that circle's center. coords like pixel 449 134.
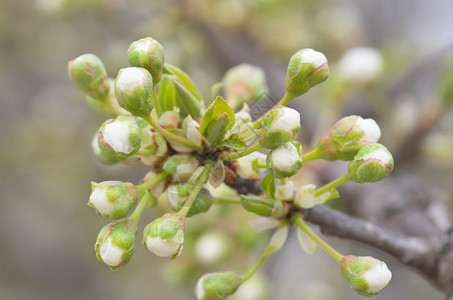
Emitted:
pixel 104 158
pixel 164 236
pixel 365 274
pixel 306 69
pixel 243 126
pixel 181 165
pixel 244 83
pixel 246 165
pixel 217 285
pixel 372 163
pixel 115 243
pixel 119 137
pixel 280 126
pixel 89 73
pixel 305 197
pixel 177 195
pixel 263 206
pixel 113 199
pixel 192 129
pixel 134 90
pixel 147 53
pixel 285 192
pixel 170 119
pixel 361 65
pixel 347 136
pixel 284 161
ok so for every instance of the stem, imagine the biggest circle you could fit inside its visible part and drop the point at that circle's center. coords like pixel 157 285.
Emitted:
pixel 300 222
pixel 312 155
pixel 286 98
pixel 236 155
pixel 226 200
pixel 332 184
pixel 156 103
pixel 170 136
pixel 135 216
pixel 150 183
pixel 196 188
pixel 255 267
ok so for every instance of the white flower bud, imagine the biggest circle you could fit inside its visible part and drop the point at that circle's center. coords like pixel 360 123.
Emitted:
pixel 280 125
pixel 192 129
pixel 285 192
pixel 284 161
pixel 170 119
pixel 366 275
pixel 361 65
pixel 164 237
pixel 305 197
pixel 245 168
pixel 372 163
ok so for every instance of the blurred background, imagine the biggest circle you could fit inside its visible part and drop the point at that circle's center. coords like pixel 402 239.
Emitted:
pixel 46 165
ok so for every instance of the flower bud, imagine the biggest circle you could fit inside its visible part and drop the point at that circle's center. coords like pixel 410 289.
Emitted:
pixel 372 163
pixel 177 195
pixel 170 119
pixel 113 199
pixel 159 188
pixel 280 126
pixel 218 285
pixel 366 275
pixel 181 165
pixel 284 161
pixel 192 129
pixel 306 69
pixel 101 156
pixel 347 136
pixel 119 137
pixel 360 65
pixel 244 83
pixel 305 197
pixel 164 236
pixel 246 165
pixel 89 73
pixel 134 90
pixel 285 192
pixel 263 206
pixel 243 126
pixel 115 243
pixel 147 53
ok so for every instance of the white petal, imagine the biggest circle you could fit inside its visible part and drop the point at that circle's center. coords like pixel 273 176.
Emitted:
pixel 116 134
pixel 306 242
pixel 99 200
pixel 284 157
pixel 311 56
pixel 305 196
pixel 129 78
pixel 378 277
pixel 261 224
pixel 161 248
pixel 288 120
pixel 372 132
pixel 379 154
pixel 110 253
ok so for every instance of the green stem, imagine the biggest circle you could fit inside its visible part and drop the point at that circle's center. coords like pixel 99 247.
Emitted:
pixel 300 222
pixel 170 136
pixel 312 155
pixel 197 188
pixel 150 183
pixel 332 184
pixel 225 200
pixel 236 155
pixel 285 100
pixel 135 216
pixel 156 103
pixel 255 267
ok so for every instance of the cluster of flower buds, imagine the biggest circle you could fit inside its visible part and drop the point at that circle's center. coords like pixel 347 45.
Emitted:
pixel 160 121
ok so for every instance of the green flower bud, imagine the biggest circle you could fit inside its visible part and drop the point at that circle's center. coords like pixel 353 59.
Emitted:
pixel 284 161
pixel 119 137
pixel 360 65
pixel 113 199
pixel 115 243
pixel 181 165
pixel 280 126
pixel 347 136
pixel 217 286
pixel 244 83
pixel 263 206
pixel 89 73
pixel 134 91
pixel 147 53
pixel 306 69
pixel 246 165
pixel 177 195
pixel 164 237
pixel 372 163
pixel 366 275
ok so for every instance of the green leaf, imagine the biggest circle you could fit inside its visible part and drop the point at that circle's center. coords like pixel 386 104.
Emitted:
pixel 268 186
pixel 185 80
pixel 216 109
pixel 186 101
pixel 235 141
pixel 216 130
pixel 167 97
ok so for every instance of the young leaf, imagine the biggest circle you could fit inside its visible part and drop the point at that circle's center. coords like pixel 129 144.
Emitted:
pixel 185 80
pixel 268 186
pixel 235 141
pixel 216 130
pixel 167 97
pixel 216 109
pixel 186 101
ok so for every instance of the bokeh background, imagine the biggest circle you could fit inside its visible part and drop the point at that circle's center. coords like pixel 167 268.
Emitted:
pixel 46 165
